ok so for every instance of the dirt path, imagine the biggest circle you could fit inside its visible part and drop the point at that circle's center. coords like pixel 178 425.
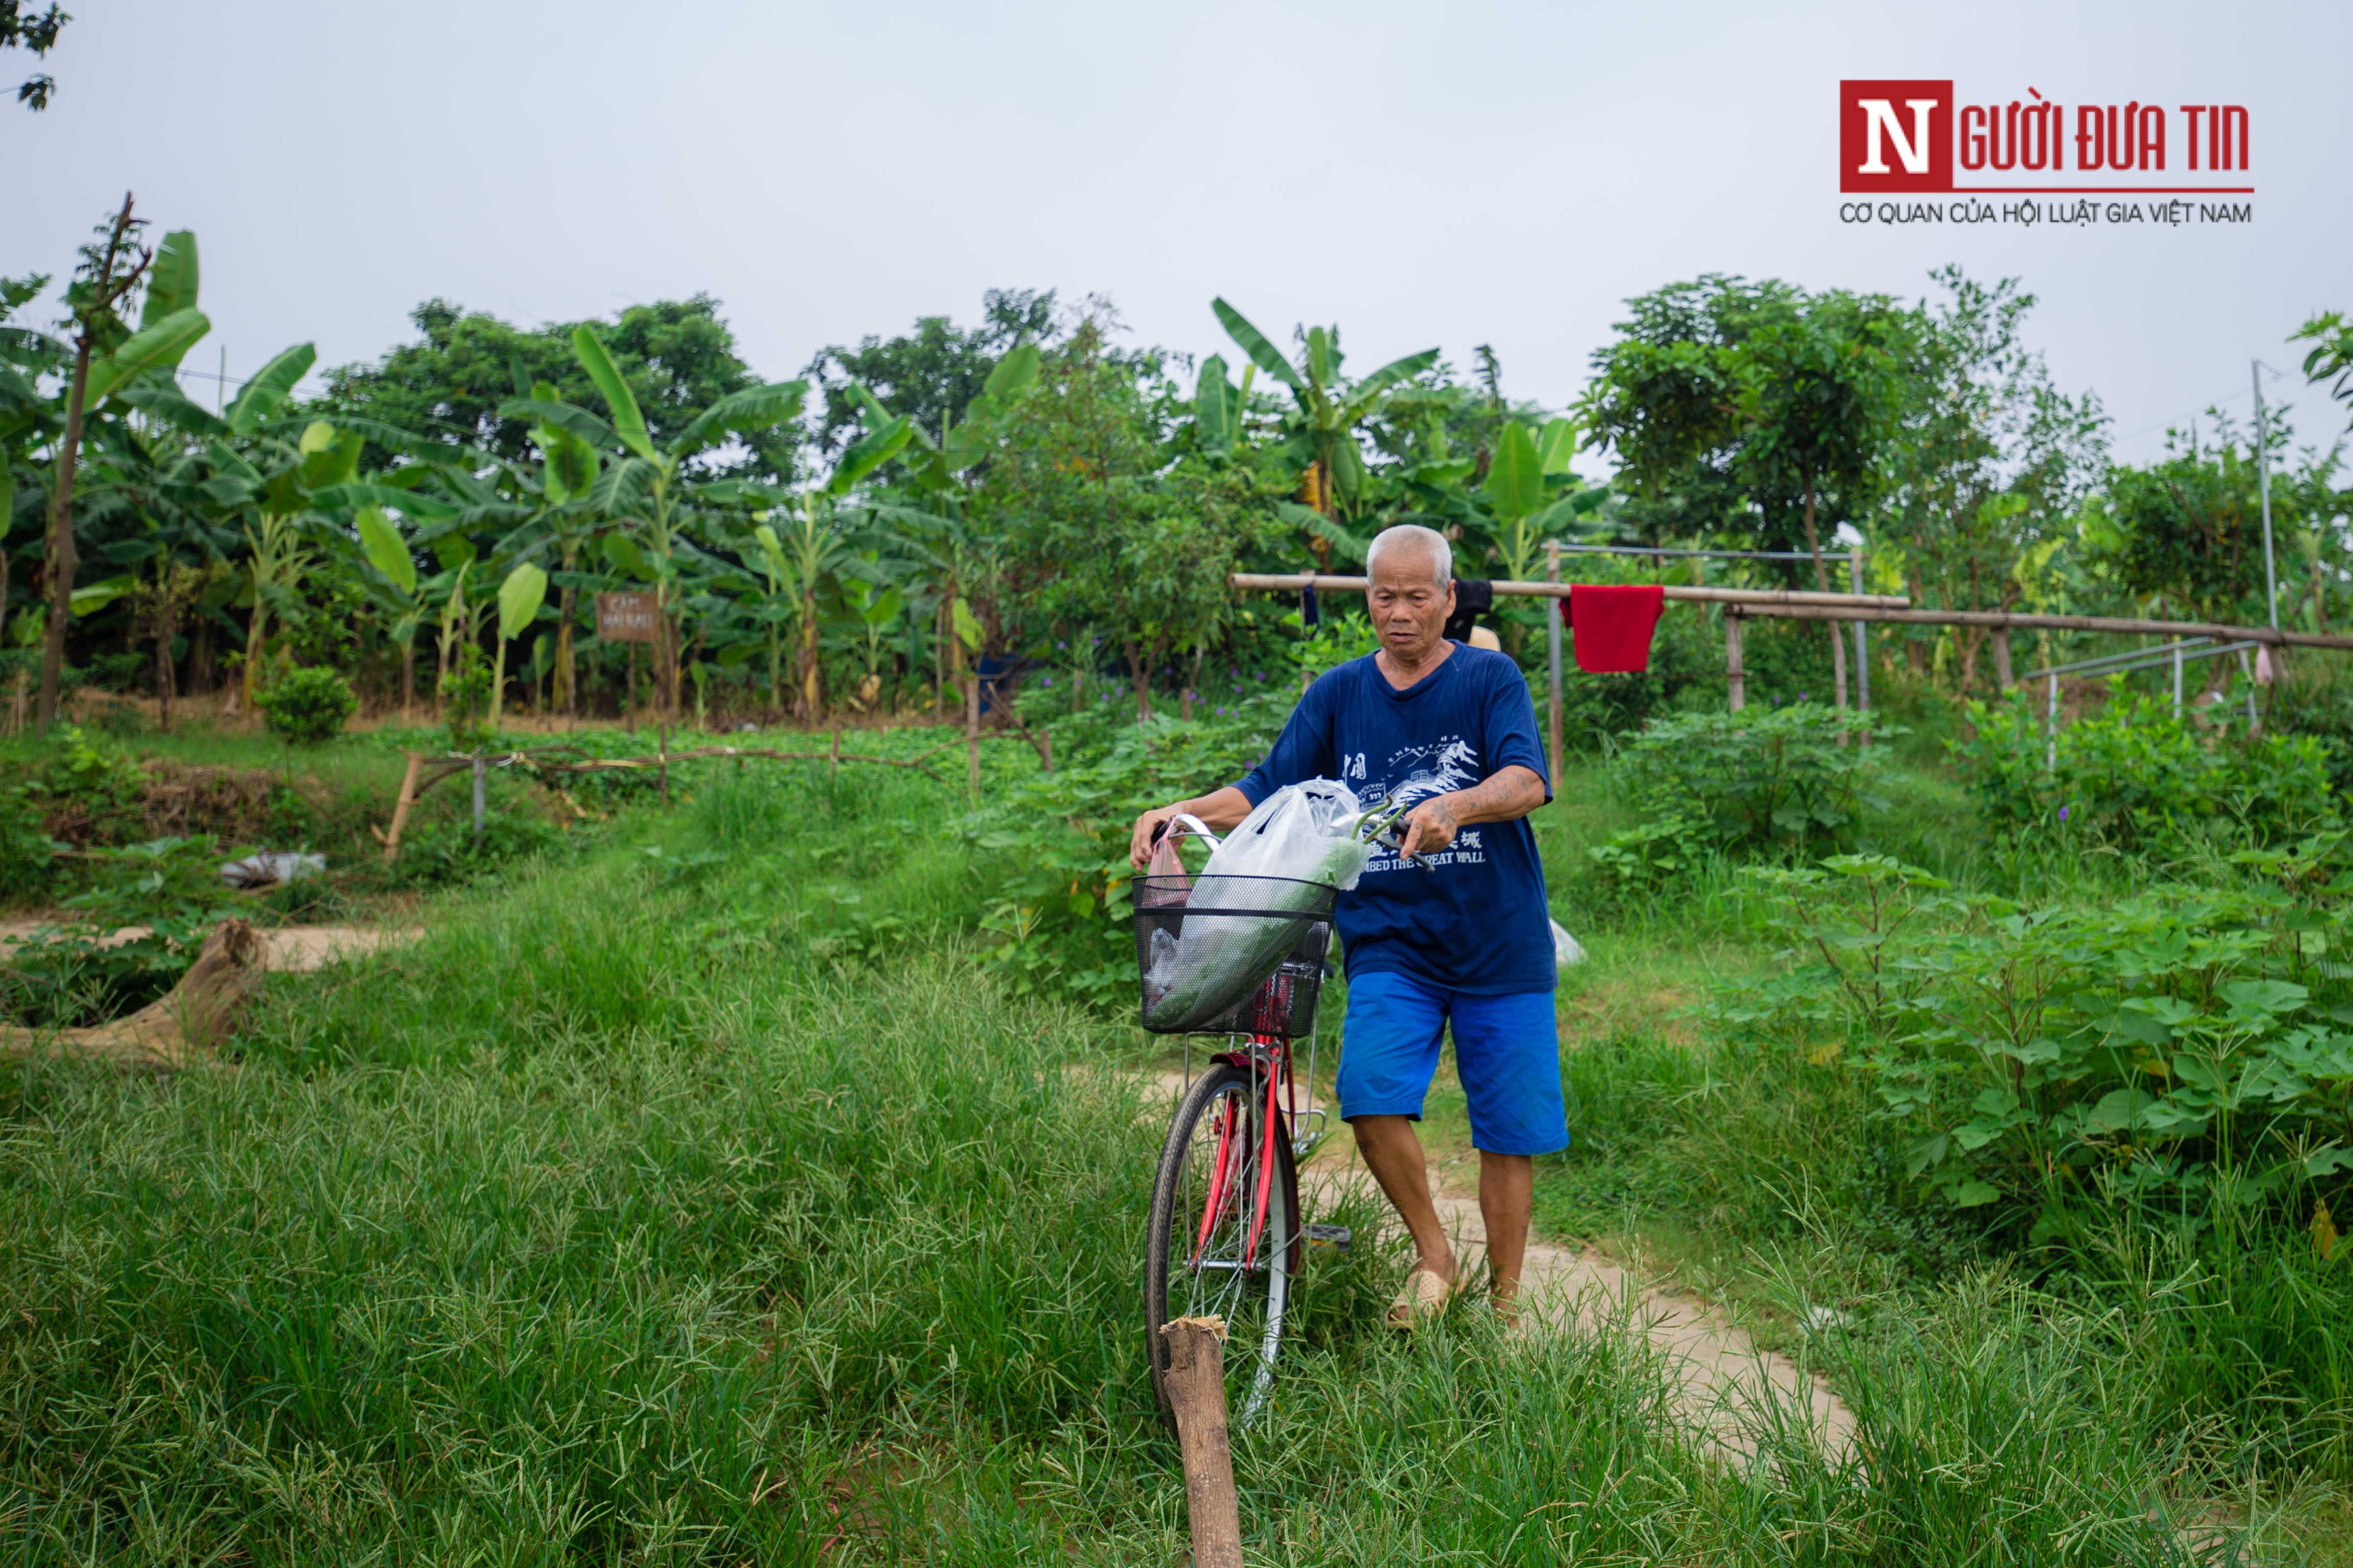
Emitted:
pixel 1721 1369
pixel 285 949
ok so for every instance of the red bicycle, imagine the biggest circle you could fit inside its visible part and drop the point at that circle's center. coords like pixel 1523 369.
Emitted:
pixel 1227 1238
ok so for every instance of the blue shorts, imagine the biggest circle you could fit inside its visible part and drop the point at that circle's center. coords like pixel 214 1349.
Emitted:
pixel 1507 1051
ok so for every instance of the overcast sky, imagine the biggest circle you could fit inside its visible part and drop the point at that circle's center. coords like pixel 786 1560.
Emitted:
pixel 1420 175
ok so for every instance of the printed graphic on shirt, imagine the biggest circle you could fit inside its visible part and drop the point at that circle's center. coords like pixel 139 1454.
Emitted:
pixel 1412 775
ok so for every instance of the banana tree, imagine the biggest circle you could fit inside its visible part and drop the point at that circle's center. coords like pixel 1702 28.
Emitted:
pixel 382 547
pixel 520 597
pixel 779 602
pixel 1320 432
pixel 648 486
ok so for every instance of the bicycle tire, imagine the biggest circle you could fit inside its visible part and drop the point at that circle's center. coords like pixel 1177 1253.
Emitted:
pixel 1254 1301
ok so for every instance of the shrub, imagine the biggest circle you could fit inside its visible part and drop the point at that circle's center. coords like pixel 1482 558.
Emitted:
pixel 80 973
pixel 1643 862
pixel 2134 775
pixel 307 706
pixel 466 702
pixel 2142 1045
pixel 2317 700
pixel 1760 778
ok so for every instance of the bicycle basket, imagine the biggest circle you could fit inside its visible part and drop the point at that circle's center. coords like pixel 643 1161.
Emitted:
pixel 1231 955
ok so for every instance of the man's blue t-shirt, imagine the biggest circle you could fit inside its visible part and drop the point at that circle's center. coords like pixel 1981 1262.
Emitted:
pixel 1471 917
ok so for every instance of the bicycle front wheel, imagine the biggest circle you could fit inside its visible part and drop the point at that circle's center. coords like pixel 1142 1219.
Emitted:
pixel 1226 1238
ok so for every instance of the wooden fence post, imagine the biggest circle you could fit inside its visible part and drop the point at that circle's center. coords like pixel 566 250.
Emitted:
pixel 1552 654
pixel 1736 678
pixel 400 806
pixel 972 736
pixel 1196 1382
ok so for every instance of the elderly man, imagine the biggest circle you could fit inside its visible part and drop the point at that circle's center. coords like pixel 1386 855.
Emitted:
pixel 1452 927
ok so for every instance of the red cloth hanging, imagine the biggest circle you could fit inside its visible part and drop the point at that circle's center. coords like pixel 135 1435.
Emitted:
pixel 1612 624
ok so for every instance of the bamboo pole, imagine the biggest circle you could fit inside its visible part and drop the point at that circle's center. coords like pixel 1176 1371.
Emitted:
pixel 1196 1382
pixel 1552 656
pixel 1736 677
pixel 1292 583
pixel 972 736
pixel 400 806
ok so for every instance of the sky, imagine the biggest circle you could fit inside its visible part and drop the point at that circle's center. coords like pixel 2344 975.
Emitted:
pixel 1419 175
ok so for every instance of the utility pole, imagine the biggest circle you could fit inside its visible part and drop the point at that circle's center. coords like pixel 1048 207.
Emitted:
pixel 2263 483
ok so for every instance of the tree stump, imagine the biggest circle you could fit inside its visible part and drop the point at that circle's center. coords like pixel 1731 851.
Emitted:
pixel 1195 1384
pixel 171 1032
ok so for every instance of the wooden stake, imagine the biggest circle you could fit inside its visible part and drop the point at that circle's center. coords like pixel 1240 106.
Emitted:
pixel 661 750
pixel 400 806
pixel 1196 1383
pixel 1552 654
pixel 1736 678
pixel 972 736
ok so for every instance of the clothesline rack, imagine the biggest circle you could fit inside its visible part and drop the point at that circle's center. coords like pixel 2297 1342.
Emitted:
pixel 1738 602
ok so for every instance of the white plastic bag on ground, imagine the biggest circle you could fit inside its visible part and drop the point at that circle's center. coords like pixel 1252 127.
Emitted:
pixel 1565 949
pixel 1304 833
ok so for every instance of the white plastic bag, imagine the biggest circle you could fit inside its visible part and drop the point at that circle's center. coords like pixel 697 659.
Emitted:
pixel 1565 949
pixel 1304 833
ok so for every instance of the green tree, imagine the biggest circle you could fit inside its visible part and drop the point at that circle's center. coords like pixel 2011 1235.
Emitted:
pixel 676 357
pixel 1327 417
pixel 2189 527
pixel 655 487
pixel 1098 536
pixel 930 376
pixel 37 35
pixel 1990 461
pixel 2331 357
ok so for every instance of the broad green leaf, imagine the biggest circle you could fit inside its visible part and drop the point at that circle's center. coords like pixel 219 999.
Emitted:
pixel 561 416
pixel 1214 406
pixel 1343 543
pixel 158 347
pixel 883 609
pixel 370 492
pixel 623 553
pixel 568 468
pixel 1971 1195
pixel 97 596
pixel 1253 342
pixel 772 553
pixel 316 437
pixel 968 627
pixel 520 597
pixel 1556 444
pixel 260 398
pixel 1323 357
pixel 743 412
pixel 1367 392
pixel 455 553
pixel 628 424
pixel 1015 371
pixel 1515 486
pixel 171 277
pixel 385 548
pixel 869 453
pixel 166 402
pixel 622 487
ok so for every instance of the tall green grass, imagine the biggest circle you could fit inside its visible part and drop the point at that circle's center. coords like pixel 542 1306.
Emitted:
pixel 666 1206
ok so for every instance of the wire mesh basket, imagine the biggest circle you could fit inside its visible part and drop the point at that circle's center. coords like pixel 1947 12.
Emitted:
pixel 1245 959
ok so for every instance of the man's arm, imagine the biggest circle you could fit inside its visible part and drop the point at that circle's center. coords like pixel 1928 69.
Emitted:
pixel 1220 809
pixel 1509 794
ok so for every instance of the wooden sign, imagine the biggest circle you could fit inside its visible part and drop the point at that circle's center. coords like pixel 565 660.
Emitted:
pixel 626 617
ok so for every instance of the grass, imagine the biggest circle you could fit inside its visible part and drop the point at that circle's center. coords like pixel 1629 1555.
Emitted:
pixel 697 1192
